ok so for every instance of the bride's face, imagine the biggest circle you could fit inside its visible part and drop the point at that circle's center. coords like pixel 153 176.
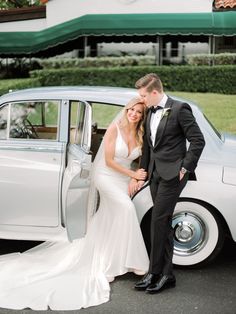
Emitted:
pixel 135 113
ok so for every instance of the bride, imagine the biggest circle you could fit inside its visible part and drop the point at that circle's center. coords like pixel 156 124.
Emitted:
pixel 69 276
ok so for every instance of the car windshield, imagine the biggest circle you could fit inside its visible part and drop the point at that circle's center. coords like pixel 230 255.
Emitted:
pixel 213 128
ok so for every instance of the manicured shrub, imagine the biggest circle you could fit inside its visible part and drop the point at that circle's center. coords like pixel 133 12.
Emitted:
pixel 217 79
pixel 14 84
pixel 210 59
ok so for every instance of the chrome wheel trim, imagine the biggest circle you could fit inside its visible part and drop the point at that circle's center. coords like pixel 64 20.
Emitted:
pixel 190 233
pixel 206 244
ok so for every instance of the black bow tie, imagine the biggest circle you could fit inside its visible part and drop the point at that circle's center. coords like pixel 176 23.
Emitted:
pixel 154 109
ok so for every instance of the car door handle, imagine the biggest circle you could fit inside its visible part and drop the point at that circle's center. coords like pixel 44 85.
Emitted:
pixel 84 173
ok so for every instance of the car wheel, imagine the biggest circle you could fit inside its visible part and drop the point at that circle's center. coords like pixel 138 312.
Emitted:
pixel 198 234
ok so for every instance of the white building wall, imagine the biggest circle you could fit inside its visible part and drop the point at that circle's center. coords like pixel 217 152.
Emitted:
pixel 59 11
pixel 24 26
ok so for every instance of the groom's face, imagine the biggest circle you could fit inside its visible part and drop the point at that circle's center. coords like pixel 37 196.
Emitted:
pixel 150 98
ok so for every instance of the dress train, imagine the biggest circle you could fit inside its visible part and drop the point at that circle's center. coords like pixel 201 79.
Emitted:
pixel 69 276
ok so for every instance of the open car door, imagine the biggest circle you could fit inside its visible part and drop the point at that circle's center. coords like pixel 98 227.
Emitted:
pixel 76 179
pixel 30 167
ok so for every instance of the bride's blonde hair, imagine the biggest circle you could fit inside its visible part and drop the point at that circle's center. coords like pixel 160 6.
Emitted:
pixel 124 121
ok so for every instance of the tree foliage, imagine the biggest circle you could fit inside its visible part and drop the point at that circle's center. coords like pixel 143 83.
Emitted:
pixel 10 4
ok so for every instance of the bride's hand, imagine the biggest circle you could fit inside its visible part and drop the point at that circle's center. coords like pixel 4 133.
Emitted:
pixel 132 187
pixel 140 174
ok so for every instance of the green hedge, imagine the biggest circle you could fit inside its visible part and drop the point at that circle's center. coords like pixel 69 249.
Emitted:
pixel 20 67
pixel 216 59
pixel 217 79
pixel 106 62
pixel 11 68
pixel 14 84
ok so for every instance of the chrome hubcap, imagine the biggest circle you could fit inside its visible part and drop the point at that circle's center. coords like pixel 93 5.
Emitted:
pixel 189 233
pixel 184 231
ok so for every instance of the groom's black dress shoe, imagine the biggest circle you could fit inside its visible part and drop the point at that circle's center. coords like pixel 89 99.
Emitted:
pixel 164 282
pixel 146 281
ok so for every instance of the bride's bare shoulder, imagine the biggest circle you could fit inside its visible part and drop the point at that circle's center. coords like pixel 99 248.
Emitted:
pixel 111 130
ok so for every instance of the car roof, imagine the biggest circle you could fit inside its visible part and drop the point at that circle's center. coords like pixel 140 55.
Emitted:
pixel 102 94
pixel 117 95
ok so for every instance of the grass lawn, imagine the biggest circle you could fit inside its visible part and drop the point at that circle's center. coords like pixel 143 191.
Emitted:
pixel 220 109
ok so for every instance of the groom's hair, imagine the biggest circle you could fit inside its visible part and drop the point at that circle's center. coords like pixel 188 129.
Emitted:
pixel 150 81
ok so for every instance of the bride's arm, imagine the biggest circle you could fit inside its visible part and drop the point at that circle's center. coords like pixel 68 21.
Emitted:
pixel 109 150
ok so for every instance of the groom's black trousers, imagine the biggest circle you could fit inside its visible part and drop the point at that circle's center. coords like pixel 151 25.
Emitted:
pixel 165 195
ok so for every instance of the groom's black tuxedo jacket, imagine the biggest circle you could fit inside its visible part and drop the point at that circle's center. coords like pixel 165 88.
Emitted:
pixel 170 153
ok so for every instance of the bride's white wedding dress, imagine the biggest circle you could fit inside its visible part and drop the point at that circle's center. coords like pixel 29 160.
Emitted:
pixel 68 276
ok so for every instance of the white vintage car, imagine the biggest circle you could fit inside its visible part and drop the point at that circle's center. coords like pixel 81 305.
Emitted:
pixel 48 140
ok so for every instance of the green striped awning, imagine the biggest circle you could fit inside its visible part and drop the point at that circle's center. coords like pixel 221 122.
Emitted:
pixel 212 23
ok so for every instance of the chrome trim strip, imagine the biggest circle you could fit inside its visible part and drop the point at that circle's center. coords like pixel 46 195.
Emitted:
pixel 8 120
pixel 64 121
pixel 55 149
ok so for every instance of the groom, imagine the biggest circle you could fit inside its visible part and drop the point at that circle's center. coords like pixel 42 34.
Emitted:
pixel 169 124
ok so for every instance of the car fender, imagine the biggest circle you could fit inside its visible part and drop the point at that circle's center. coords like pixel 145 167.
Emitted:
pixel 220 196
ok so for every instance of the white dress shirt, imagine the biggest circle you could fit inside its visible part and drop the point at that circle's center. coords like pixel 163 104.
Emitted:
pixel 156 118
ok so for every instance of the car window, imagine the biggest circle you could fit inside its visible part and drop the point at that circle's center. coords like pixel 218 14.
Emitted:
pixel 3 122
pixel 213 127
pixel 103 114
pixel 31 120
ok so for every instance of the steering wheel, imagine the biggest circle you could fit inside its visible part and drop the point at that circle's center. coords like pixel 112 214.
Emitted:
pixel 30 129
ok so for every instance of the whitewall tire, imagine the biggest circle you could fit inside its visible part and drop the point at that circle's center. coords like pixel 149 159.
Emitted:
pixel 198 234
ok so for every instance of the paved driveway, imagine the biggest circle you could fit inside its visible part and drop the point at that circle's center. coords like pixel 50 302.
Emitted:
pixel 209 290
